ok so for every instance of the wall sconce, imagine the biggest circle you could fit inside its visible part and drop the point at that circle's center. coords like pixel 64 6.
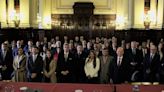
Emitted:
pixel 39 18
pixel 121 22
pixel 147 21
pixel 112 24
pixel 47 21
pixel 15 18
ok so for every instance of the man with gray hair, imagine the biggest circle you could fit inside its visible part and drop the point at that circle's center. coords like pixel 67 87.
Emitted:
pixel 151 65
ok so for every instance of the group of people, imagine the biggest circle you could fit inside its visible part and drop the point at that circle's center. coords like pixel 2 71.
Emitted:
pixel 99 60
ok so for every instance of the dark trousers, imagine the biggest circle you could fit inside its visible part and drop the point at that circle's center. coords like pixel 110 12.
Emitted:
pixel 38 78
pixel 94 80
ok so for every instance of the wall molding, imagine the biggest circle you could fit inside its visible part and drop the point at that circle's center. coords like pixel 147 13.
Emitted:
pixel 103 7
pixel 59 4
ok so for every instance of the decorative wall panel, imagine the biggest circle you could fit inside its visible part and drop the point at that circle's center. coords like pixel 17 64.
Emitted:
pixel 101 6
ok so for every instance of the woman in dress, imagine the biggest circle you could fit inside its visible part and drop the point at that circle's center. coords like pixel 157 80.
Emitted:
pixel 19 65
pixel 49 68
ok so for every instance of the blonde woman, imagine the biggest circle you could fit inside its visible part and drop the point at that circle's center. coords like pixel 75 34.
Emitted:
pixel 49 68
pixel 19 65
pixel 91 68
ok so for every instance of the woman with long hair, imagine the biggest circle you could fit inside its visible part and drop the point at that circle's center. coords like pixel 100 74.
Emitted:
pixel 19 65
pixel 92 66
pixel 49 68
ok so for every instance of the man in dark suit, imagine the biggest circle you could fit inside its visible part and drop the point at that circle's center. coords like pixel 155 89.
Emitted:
pixel 66 66
pixel 6 61
pixel 119 68
pixel 136 58
pixel 80 58
pixel 151 65
pixel 35 66
pixel 161 71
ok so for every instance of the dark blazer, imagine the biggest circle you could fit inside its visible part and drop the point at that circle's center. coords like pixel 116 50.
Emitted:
pixel 105 69
pixel 79 65
pixel 35 67
pixel 161 71
pixel 63 65
pixel 119 74
pixel 135 60
pixel 150 69
pixel 8 62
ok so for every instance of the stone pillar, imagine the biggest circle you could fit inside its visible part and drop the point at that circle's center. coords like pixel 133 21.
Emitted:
pixel 131 13
pixel 24 12
pixel 138 14
pixel 33 13
pixel 11 12
pixel 160 14
pixel 46 14
pixel 3 13
pixel 153 14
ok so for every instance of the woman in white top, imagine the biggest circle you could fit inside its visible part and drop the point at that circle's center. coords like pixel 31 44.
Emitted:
pixel 92 66
pixel 19 65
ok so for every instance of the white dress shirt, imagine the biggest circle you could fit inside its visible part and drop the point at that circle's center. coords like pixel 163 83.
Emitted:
pixel 34 57
pixel 119 60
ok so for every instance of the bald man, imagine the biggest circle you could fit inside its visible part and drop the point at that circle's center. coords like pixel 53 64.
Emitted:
pixel 119 67
pixel 151 65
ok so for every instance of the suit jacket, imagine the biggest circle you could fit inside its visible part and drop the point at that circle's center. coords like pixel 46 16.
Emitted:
pixel 63 65
pixel 150 69
pixel 161 71
pixel 105 69
pixel 35 67
pixel 135 60
pixel 120 74
pixel 8 61
pixel 79 65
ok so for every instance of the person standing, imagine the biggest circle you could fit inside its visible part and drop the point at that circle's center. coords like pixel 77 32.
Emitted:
pixel 6 61
pixel 151 65
pixel 92 67
pixel 19 65
pixel 66 66
pixel 105 61
pixel 49 68
pixel 35 66
pixel 119 68
pixel 80 57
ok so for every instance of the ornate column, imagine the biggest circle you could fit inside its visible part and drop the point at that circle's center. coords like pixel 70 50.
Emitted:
pixel 160 14
pixel 153 13
pixel 163 17
pixel 33 13
pixel 3 13
pixel 139 14
pixel 120 15
pixel 131 13
pixel 11 12
pixel 46 14
pixel 24 13
pixel 127 14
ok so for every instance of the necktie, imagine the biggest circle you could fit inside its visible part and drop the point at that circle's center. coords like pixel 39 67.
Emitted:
pixel 66 56
pixel 79 55
pixel 134 51
pixel 151 58
pixel 119 61
pixel 4 55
